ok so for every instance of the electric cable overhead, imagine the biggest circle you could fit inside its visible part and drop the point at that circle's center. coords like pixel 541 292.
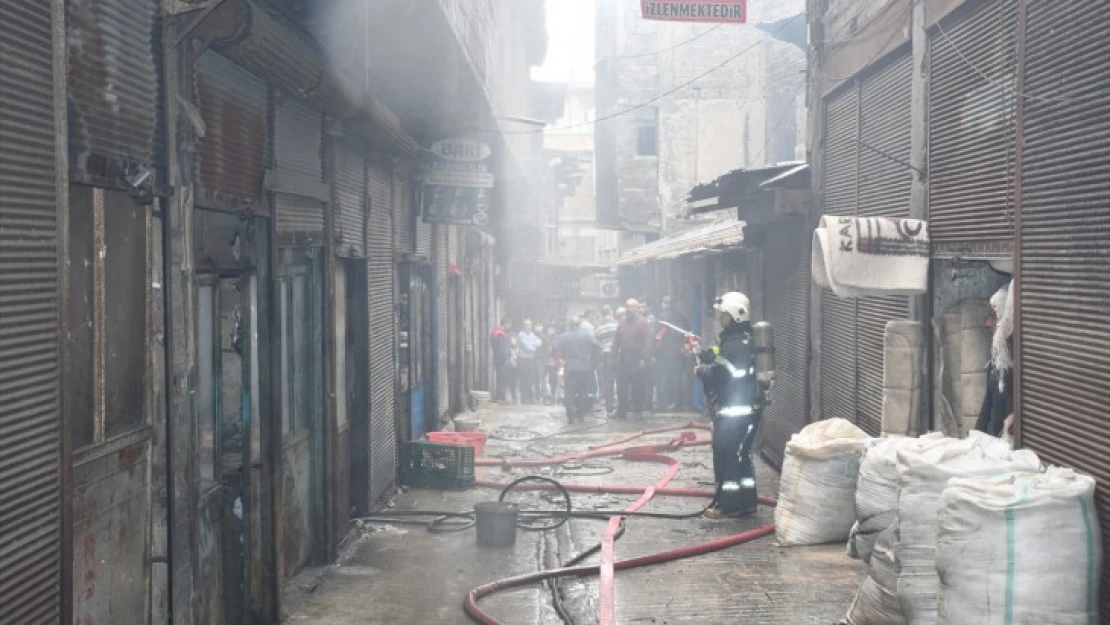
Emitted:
pixel 621 57
pixel 1003 86
pixel 645 103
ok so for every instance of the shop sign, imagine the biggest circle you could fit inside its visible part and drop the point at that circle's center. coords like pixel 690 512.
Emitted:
pixel 719 12
pixel 458 182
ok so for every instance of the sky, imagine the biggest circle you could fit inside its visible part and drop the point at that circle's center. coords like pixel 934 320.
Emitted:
pixel 570 47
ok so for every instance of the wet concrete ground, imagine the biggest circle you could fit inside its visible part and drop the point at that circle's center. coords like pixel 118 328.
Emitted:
pixel 404 574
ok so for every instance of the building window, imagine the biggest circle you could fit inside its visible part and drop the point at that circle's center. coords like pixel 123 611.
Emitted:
pixel 108 308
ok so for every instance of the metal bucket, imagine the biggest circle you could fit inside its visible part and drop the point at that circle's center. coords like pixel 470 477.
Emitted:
pixel 496 523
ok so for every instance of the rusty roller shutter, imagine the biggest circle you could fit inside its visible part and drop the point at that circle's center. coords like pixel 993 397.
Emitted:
pixel 786 303
pixel 383 433
pixel 838 321
pixel 298 154
pixel 231 160
pixel 30 523
pixel 351 203
pixel 971 133
pixel 443 323
pixel 884 191
pixel 113 87
pixel 1064 295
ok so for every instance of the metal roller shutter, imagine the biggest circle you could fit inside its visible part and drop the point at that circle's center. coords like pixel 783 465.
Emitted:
pixel 231 160
pixel 971 134
pixel 299 149
pixel 401 207
pixel 351 203
pixel 1064 296
pixel 443 321
pixel 423 238
pixel 786 304
pixel 383 429
pixel 113 86
pixel 838 322
pixel 884 191
pixel 30 444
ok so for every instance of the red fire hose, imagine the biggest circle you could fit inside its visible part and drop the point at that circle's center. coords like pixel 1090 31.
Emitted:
pixel 607 567
pixel 686 439
pixel 472 597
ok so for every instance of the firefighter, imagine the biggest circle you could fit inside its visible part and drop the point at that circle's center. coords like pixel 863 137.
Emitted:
pixel 728 375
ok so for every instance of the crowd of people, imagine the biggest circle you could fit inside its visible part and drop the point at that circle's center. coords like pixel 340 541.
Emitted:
pixel 628 360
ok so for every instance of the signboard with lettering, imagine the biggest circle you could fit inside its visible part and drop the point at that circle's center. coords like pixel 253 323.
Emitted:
pixel 720 11
pixel 458 182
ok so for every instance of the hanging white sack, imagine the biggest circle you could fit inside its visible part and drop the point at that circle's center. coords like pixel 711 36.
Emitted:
pixel 1022 547
pixel 817 489
pixel 876 600
pixel 922 477
pixel 877 490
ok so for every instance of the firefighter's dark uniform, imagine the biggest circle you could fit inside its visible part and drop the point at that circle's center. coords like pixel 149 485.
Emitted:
pixel 728 376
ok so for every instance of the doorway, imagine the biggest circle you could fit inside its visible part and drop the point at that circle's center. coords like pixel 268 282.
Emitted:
pixel 416 348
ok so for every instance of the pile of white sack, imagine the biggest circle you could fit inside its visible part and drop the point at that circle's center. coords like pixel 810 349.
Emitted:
pixel 903 480
pixel 817 489
pixel 922 476
pixel 1021 547
pixel 877 490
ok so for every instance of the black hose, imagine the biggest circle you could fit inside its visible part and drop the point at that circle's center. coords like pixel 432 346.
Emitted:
pixel 540 528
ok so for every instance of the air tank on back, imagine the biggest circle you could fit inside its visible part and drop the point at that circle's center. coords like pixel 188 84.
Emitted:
pixel 763 340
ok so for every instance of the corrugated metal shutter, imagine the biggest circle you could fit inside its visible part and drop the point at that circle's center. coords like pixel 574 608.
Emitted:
pixel 383 430
pixel 423 238
pixel 443 383
pixel 786 305
pixel 298 149
pixel 1064 295
pixel 838 321
pixel 113 86
pixel 351 198
pixel 30 524
pixel 401 208
pixel 231 161
pixel 971 135
pixel 884 191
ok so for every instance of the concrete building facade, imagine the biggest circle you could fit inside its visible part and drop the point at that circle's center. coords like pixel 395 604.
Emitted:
pixel 679 104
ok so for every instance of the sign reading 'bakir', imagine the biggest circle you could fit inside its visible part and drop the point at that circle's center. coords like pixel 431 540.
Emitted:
pixel 721 11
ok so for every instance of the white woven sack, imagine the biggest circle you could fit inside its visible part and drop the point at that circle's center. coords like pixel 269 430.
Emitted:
pixel 877 490
pixel 1019 548
pixel 922 477
pixel 817 489
pixel 876 601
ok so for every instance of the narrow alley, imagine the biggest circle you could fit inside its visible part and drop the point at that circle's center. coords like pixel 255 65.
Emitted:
pixel 401 573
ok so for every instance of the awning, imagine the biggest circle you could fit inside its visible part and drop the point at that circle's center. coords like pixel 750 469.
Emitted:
pixel 714 237
pixel 741 186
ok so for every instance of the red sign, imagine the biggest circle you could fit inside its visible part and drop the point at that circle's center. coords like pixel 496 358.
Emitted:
pixel 721 11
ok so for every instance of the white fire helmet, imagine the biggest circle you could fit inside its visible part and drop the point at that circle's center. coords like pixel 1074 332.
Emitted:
pixel 736 304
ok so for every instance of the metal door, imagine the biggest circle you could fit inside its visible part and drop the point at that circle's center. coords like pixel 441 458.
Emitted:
pixel 786 306
pixel 30 423
pixel 231 157
pixel 971 130
pixel 298 154
pixel 351 203
pixel 838 320
pixel 382 337
pixel 113 81
pixel 1064 235
pixel 300 291
pixel 884 191
pixel 415 358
